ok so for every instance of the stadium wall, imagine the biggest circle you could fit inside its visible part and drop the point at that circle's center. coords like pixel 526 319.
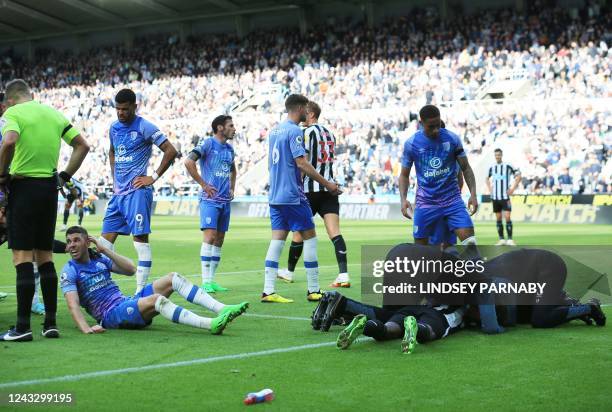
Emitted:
pixel 591 209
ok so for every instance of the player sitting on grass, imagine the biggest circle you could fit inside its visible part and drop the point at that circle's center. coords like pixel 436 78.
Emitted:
pixel 86 281
pixel 413 324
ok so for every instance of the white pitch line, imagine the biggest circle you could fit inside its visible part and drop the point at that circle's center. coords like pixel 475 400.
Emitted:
pixel 111 372
pixel 239 272
pixel 257 315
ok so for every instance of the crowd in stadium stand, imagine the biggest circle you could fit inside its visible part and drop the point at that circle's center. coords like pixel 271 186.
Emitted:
pixel 370 83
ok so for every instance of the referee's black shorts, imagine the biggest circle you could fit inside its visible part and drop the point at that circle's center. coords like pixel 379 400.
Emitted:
pixel 323 203
pixel 499 205
pixel 31 213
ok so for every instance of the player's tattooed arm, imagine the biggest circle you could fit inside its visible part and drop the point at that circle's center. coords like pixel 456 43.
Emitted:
pixel 170 154
pixel 404 184
pixel 192 169
pixel 232 180
pixel 72 300
pixel 111 159
pixel 470 180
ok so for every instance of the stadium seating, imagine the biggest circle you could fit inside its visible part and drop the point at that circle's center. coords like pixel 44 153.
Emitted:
pixel 370 84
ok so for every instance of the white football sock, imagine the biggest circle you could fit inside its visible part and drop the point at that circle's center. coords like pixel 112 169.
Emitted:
pixel 195 294
pixel 205 256
pixel 214 261
pixel 272 257
pixel 106 243
pixel 311 264
pixel 145 261
pixel 177 314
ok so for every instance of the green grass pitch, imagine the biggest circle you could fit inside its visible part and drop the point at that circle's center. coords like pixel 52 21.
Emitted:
pixel 568 368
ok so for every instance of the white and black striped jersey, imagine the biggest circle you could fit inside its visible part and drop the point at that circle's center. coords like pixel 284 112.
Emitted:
pixel 320 144
pixel 500 180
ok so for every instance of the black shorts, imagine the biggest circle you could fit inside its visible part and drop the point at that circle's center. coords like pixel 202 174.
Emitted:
pixel 499 205
pixel 31 213
pixel 323 203
pixel 423 314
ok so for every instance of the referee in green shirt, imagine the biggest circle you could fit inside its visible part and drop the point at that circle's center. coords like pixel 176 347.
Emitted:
pixel 31 139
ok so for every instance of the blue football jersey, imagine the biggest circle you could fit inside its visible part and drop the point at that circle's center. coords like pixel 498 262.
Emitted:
pixel 285 144
pixel 435 162
pixel 92 281
pixel 216 161
pixel 132 144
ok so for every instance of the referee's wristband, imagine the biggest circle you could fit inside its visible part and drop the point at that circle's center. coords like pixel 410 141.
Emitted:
pixel 155 176
pixel 65 176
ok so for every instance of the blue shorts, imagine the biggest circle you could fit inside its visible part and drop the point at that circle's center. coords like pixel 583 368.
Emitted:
pixel 129 214
pixel 426 219
pixel 126 314
pixel 292 217
pixel 215 216
pixel 442 234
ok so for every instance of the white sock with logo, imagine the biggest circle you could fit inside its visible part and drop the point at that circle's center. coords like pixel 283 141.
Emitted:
pixel 205 257
pixel 178 314
pixel 271 266
pixel 311 264
pixel 145 261
pixel 215 259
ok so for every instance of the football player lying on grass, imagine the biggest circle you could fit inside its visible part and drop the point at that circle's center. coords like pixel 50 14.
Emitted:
pixel 86 281
pixel 414 323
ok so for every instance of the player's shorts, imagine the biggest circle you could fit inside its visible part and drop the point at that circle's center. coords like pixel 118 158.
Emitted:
pixel 292 217
pixel 129 214
pixel 323 203
pixel 215 216
pixel 70 198
pixel 423 314
pixel 426 219
pixel 31 213
pixel 126 314
pixel 442 234
pixel 499 205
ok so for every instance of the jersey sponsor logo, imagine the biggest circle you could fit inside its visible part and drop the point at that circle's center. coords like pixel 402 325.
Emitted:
pixel 225 170
pixel 435 162
pixel 436 173
pixel 156 135
pixel 121 150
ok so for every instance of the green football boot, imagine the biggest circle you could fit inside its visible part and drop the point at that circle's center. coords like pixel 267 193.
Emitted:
pixel 351 332
pixel 409 341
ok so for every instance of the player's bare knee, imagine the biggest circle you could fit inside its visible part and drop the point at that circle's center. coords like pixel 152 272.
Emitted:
pixel 308 234
pixel 141 238
pixel 219 239
pixel 297 237
pixel 159 301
